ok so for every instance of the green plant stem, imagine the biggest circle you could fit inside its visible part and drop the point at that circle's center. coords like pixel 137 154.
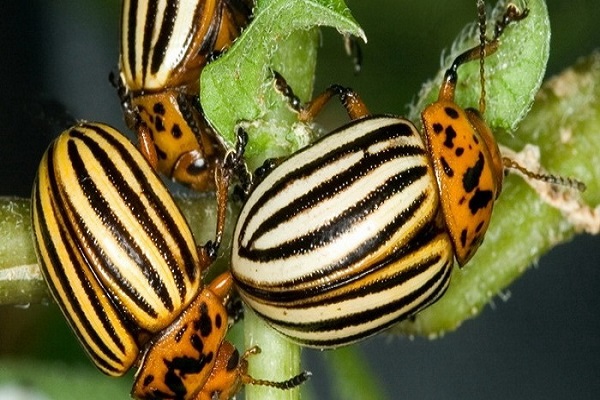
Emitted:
pixel 20 278
pixel 279 359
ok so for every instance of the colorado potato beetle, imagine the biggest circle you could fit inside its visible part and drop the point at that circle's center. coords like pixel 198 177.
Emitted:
pixel 164 46
pixel 360 229
pixel 122 264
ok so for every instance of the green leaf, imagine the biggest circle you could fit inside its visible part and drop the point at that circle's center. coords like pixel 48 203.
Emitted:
pixel 237 87
pixel 513 74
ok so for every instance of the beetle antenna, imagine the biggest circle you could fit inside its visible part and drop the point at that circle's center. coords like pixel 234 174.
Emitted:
pixel 568 182
pixel 482 50
pixel 283 385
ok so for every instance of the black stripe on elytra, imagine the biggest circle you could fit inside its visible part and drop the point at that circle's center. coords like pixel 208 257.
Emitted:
pixel 337 184
pixel 309 295
pixel 131 198
pixel 437 285
pixel 361 143
pixel 187 250
pixel 442 279
pixel 131 30
pixel 122 235
pixel 164 36
pixel 67 236
pixel 339 224
pixel 438 282
pixel 147 43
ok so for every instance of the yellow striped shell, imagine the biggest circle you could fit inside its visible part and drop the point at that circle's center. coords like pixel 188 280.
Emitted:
pixel 165 43
pixel 342 239
pixel 115 250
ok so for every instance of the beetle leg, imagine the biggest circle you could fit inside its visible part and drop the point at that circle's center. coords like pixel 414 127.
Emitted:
pixel 245 177
pixel 232 164
pixel 146 145
pixel 485 49
pixel 351 101
pixel 512 14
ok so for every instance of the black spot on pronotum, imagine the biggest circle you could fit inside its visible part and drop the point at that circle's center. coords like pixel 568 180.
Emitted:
pixel 218 321
pixel 176 131
pixel 159 108
pixel 447 169
pixel 158 124
pixel 437 127
pixel 479 226
pixel 197 343
pixel 471 177
pixel 463 238
pixel 459 151
pixel 480 200
pixel 174 382
pixel 450 136
pixel 148 379
pixel 451 112
pixel 475 139
pixel 204 323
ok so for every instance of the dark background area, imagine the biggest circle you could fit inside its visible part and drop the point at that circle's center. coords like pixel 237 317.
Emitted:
pixel 543 343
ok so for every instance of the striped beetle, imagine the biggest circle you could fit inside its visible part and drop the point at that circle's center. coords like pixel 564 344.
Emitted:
pixel 122 264
pixel 360 229
pixel 164 46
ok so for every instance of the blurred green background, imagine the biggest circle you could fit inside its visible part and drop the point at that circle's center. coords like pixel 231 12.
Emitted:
pixel 542 343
